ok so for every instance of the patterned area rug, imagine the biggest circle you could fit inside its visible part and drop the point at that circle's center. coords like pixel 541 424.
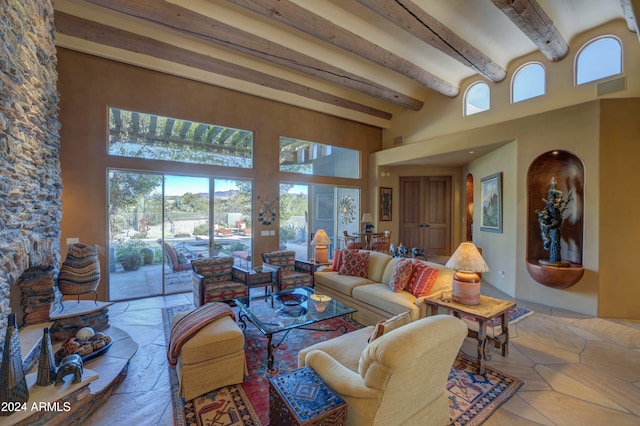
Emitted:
pixel 472 397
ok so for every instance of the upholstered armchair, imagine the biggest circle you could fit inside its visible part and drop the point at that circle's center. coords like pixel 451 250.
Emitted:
pixel 399 378
pixel 288 272
pixel 215 280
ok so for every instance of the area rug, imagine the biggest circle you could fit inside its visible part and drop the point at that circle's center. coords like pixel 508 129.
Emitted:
pixel 472 397
pixel 494 325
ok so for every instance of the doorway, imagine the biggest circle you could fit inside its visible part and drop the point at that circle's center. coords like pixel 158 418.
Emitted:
pixel 425 214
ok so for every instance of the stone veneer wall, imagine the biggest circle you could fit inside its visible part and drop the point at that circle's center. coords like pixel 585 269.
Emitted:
pixel 30 180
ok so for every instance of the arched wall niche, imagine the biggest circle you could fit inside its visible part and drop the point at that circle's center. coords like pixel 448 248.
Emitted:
pixel 568 171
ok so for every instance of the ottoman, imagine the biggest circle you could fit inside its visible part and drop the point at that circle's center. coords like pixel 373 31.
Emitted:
pixel 212 358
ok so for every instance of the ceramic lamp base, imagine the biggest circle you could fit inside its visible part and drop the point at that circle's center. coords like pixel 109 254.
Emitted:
pixel 321 254
pixel 466 288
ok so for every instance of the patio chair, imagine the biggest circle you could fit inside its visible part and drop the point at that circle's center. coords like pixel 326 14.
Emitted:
pixel 215 279
pixel 221 232
pixel 178 257
pixel 242 228
pixel 288 272
pixel 351 242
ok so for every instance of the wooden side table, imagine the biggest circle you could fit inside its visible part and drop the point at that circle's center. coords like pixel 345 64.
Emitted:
pixel 301 397
pixel 488 309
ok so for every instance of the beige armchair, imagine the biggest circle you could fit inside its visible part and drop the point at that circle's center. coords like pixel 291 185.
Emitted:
pixel 400 378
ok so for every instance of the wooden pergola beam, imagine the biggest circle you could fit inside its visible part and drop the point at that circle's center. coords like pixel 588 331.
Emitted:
pixel 189 22
pixel 535 24
pixel 413 19
pixel 289 13
pixel 99 33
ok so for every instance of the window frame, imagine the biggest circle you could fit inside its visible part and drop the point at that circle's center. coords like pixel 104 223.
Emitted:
pixel 586 45
pixel 517 73
pixel 465 103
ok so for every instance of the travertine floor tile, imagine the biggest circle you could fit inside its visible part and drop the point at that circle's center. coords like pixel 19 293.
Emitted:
pixel 541 353
pixel 568 386
pixel 598 355
pixel 532 379
pixel 546 331
pixel 147 408
pixel 519 412
pixel 611 331
pixel 565 410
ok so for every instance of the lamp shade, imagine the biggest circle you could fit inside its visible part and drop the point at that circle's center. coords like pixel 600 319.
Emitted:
pixel 320 238
pixel 467 258
pixel 467 261
pixel 367 218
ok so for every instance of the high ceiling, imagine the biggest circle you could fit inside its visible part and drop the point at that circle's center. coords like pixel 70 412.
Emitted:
pixel 360 59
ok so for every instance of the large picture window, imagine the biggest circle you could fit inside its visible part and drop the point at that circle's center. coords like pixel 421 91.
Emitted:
pixel 298 156
pixel 142 135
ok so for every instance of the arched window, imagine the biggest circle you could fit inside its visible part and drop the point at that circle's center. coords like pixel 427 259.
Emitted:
pixel 528 82
pixel 477 98
pixel 599 58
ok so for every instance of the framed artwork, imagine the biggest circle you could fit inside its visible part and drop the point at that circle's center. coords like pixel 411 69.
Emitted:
pixel 491 202
pixel 385 204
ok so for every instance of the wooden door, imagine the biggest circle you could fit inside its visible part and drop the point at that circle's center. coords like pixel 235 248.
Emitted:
pixel 425 214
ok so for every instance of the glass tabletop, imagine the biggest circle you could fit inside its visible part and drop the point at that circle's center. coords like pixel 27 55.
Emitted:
pixel 287 309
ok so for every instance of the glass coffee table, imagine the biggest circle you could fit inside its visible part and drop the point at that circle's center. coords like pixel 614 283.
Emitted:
pixel 287 310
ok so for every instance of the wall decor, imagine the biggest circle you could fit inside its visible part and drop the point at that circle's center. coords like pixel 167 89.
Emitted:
pixel 267 211
pixel 491 201
pixel 347 209
pixel 385 204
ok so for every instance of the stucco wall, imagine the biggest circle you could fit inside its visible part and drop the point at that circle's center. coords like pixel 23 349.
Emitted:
pixel 88 85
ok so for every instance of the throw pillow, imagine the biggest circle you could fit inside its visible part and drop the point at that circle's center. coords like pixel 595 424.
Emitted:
pixel 400 275
pixel 383 327
pixel 355 263
pixel 337 260
pixel 422 279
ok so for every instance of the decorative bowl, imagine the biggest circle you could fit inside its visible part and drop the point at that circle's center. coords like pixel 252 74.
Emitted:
pixel 320 301
pixel 291 299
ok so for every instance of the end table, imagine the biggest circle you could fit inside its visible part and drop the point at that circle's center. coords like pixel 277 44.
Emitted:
pixel 488 309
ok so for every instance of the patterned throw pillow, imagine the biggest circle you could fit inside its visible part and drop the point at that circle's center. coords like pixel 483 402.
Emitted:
pixel 400 275
pixel 383 327
pixel 422 279
pixel 355 263
pixel 337 259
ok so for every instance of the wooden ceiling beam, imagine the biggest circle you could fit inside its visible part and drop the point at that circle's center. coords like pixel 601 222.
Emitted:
pixel 532 20
pixel 189 22
pixel 289 13
pixel 95 32
pixel 413 19
pixel 631 9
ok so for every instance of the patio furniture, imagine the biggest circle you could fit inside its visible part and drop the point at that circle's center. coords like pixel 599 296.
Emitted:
pixel 222 232
pixel 178 257
pixel 287 271
pixel 351 242
pixel 241 225
pixel 214 280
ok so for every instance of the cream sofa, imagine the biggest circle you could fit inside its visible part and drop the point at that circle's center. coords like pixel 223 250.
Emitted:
pixel 372 296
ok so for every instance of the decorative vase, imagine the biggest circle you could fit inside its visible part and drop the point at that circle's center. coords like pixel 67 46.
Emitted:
pixel 13 384
pixel 80 272
pixel 46 363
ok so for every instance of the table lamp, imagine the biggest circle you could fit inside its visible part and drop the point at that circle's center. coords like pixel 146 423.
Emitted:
pixel 367 219
pixel 321 240
pixel 467 261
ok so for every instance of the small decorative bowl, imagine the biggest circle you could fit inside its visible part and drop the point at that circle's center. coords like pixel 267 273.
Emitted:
pixel 291 299
pixel 320 301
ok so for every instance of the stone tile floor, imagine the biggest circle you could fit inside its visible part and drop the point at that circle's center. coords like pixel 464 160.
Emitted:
pixel 578 370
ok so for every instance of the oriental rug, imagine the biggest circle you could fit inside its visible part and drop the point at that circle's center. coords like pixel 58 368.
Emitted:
pixel 472 397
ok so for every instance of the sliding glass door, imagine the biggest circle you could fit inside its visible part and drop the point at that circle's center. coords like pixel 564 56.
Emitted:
pixel 304 209
pixel 159 223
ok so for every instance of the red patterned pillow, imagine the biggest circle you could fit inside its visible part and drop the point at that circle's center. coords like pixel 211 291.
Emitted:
pixel 422 279
pixel 400 275
pixel 354 263
pixel 337 259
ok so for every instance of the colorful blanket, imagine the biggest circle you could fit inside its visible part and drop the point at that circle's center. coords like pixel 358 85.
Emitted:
pixel 191 323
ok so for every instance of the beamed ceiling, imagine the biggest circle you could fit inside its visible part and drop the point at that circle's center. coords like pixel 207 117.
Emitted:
pixel 359 59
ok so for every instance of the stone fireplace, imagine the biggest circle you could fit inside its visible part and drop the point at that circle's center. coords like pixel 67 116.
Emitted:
pixel 30 181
